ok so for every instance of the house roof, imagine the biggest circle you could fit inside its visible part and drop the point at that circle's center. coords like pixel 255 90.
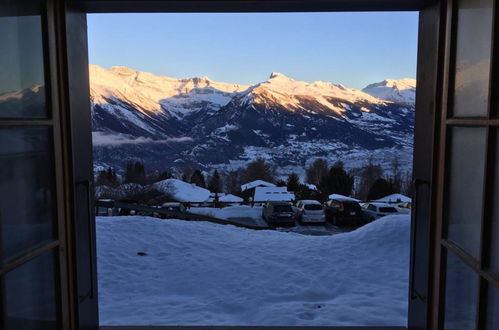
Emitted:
pixel 394 198
pixel 229 198
pixel 182 191
pixel 342 197
pixel 273 194
pixel 256 183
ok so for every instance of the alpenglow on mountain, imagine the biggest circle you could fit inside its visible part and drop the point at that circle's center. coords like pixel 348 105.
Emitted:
pixel 169 123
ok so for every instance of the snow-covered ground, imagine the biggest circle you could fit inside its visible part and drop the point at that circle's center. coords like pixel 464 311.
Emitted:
pixel 200 273
pixel 236 211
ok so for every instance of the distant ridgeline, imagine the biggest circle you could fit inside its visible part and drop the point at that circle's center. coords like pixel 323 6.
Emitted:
pixel 169 123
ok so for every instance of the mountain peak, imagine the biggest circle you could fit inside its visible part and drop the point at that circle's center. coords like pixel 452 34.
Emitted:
pixel 278 75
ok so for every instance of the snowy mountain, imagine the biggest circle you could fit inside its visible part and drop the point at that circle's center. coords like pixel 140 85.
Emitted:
pixel 401 91
pixel 168 123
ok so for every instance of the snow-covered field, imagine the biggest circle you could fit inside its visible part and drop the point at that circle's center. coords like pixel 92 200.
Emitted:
pixel 201 273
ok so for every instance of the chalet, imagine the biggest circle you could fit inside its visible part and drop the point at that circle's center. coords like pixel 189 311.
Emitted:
pixel 272 194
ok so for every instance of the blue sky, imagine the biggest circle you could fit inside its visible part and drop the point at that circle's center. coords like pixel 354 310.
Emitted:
pixel 354 49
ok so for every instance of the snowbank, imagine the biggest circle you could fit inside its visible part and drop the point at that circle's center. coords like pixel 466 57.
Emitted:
pixel 198 273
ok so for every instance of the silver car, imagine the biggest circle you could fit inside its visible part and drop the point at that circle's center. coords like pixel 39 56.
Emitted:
pixel 309 211
pixel 373 211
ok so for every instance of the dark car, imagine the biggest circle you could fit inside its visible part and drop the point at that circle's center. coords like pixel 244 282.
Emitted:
pixel 176 210
pixel 278 214
pixel 343 212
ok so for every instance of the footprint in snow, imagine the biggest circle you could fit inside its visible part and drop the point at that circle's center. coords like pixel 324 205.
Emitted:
pixel 306 316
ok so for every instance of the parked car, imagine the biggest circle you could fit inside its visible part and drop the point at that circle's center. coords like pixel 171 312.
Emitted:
pixel 375 211
pixel 125 206
pixel 278 214
pixel 175 208
pixel 343 212
pixel 309 211
pixel 404 208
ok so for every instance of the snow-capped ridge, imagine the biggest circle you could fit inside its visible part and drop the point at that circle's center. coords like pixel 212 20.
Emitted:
pixel 401 91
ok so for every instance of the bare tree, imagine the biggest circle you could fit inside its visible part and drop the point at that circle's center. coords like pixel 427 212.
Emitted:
pixel 259 169
pixel 317 171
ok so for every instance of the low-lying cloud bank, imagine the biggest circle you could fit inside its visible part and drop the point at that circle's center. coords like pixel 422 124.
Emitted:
pixel 100 139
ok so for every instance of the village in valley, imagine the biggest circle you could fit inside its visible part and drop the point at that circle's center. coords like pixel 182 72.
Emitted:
pixel 255 197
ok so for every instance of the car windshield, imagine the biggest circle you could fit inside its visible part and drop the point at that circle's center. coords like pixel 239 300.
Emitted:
pixel 282 208
pixel 388 209
pixel 351 206
pixel 313 207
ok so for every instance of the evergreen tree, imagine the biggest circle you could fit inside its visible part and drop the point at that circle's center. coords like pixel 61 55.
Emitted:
pixel 215 183
pixel 139 173
pixel 129 172
pixel 107 178
pixel 163 176
pixel 338 181
pixel 293 182
pixel 380 188
pixel 186 173
pixel 198 179
pixel 281 183
pixel 135 173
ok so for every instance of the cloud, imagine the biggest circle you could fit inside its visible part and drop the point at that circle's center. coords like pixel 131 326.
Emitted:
pixel 105 139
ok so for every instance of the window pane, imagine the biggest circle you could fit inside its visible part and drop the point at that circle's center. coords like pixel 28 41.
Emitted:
pixel 26 186
pixel 466 187
pixel 473 45
pixel 22 83
pixel 460 294
pixel 492 319
pixel 494 247
pixel 31 293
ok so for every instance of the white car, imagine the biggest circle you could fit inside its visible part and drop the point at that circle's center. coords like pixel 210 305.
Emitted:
pixel 374 211
pixel 309 211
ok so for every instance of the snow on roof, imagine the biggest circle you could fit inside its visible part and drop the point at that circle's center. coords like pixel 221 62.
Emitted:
pixel 379 204
pixel 256 183
pixel 310 201
pixel 311 186
pixel 225 198
pixel 229 198
pixel 183 191
pixel 273 194
pixel 338 196
pixel 394 198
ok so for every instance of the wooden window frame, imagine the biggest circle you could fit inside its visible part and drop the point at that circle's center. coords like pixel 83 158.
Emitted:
pixel 442 245
pixel 67 22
